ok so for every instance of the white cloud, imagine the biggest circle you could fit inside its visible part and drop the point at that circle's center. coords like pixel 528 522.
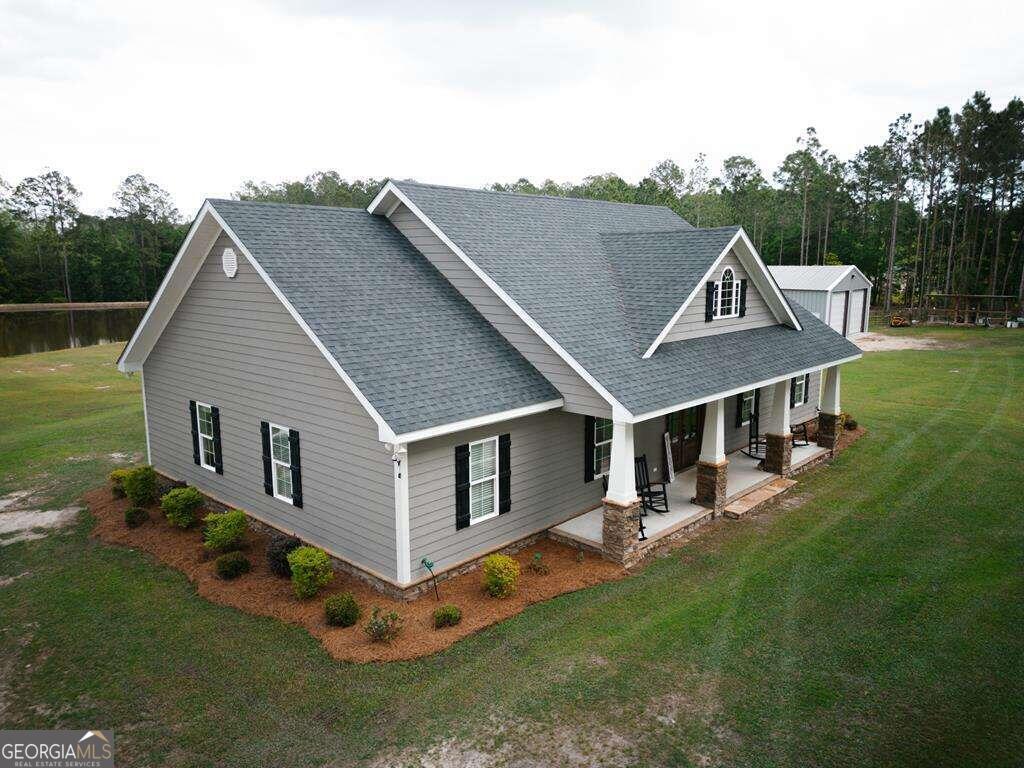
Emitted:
pixel 199 96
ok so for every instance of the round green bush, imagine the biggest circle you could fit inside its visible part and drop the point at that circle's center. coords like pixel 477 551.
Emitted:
pixel 135 516
pixel 232 565
pixel 447 616
pixel 311 570
pixel 139 485
pixel 500 576
pixel 224 530
pixel 117 481
pixel 277 554
pixel 180 505
pixel 341 610
pixel 383 627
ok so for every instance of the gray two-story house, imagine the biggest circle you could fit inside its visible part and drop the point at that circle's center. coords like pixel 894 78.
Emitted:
pixel 451 372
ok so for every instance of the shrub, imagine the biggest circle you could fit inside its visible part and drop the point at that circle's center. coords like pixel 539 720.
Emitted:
pixel 538 566
pixel 179 505
pixel 447 616
pixel 580 557
pixel 135 516
pixel 341 610
pixel 501 575
pixel 224 530
pixel 117 481
pixel 850 423
pixel 311 570
pixel 383 627
pixel 140 485
pixel 277 554
pixel 232 565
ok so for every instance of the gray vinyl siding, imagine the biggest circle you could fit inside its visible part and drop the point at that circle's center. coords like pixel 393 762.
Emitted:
pixel 649 440
pixel 579 396
pixel 546 487
pixel 736 437
pixel 691 325
pixel 814 302
pixel 232 344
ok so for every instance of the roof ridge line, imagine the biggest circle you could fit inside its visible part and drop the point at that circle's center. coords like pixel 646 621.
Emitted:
pixel 317 206
pixel 529 195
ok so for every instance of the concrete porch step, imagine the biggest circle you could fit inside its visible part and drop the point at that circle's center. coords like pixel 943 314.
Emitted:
pixel 745 503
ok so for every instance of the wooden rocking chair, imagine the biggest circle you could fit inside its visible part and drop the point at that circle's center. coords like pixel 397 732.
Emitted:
pixel 653 495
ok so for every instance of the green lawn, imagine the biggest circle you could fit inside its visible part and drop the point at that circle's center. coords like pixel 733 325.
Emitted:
pixel 879 623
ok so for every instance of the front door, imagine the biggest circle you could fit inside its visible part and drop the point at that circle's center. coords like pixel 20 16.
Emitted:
pixel 685 429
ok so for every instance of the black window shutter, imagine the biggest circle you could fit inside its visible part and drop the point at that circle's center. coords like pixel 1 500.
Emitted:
pixel 195 430
pixel 743 297
pixel 757 405
pixel 792 392
pixel 739 410
pixel 268 478
pixel 461 486
pixel 218 460
pixel 588 449
pixel 807 387
pixel 504 474
pixel 709 301
pixel 293 442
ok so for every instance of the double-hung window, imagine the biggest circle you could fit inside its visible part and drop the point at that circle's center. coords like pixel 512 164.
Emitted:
pixel 483 480
pixel 281 458
pixel 799 385
pixel 727 300
pixel 746 407
pixel 204 428
pixel 602 446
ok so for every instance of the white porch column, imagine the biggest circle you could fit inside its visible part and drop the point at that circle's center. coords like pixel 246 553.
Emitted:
pixel 622 473
pixel 712 445
pixel 778 422
pixel 830 391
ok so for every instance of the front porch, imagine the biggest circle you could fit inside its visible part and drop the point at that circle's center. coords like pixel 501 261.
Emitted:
pixel 715 483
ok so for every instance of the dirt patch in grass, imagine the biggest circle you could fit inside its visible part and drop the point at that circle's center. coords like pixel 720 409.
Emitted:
pixel 880 342
pixel 262 593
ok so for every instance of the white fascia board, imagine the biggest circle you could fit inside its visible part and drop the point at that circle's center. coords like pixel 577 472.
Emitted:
pixel 762 269
pixel 689 299
pixel 478 421
pixel 385 433
pixel 745 388
pixel 123 363
pixel 839 279
pixel 375 208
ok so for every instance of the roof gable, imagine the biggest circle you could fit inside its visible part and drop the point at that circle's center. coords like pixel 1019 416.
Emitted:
pixel 817 277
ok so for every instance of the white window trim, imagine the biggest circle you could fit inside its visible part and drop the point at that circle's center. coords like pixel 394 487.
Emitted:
pixel 492 478
pixel 597 442
pixel 274 461
pixel 803 399
pixel 199 431
pixel 752 394
pixel 734 300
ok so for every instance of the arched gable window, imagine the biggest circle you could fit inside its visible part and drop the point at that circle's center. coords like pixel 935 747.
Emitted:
pixel 727 298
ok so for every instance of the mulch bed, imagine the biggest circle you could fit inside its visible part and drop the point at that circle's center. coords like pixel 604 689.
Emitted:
pixel 262 593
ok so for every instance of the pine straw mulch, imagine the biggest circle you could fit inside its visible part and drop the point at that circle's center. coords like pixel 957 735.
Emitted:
pixel 261 593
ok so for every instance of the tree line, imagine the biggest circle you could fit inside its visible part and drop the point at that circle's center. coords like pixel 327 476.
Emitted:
pixel 935 207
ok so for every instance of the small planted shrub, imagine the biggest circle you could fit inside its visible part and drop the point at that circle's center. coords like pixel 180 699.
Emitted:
pixel 580 557
pixel 538 566
pixel 117 481
pixel 341 610
pixel 311 570
pixel 447 616
pixel 232 565
pixel 500 576
pixel 135 516
pixel 383 627
pixel 277 554
pixel 224 530
pixel 180 505
pixel 140 485
pixel 850 423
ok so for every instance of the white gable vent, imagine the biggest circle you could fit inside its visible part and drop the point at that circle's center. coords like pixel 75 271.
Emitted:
pixel 229 261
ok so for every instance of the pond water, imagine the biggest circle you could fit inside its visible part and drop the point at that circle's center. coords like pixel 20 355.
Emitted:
pixel 24 332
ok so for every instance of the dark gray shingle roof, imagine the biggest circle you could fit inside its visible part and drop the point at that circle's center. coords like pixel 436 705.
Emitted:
pixel 580 268
pixel 420 352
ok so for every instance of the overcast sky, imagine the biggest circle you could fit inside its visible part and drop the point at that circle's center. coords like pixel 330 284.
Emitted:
pixel 199 96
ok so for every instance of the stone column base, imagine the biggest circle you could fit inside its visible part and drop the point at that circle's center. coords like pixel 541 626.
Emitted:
pixel 620 531
pixel 828 430
pixel 778 453
pixel 711 480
